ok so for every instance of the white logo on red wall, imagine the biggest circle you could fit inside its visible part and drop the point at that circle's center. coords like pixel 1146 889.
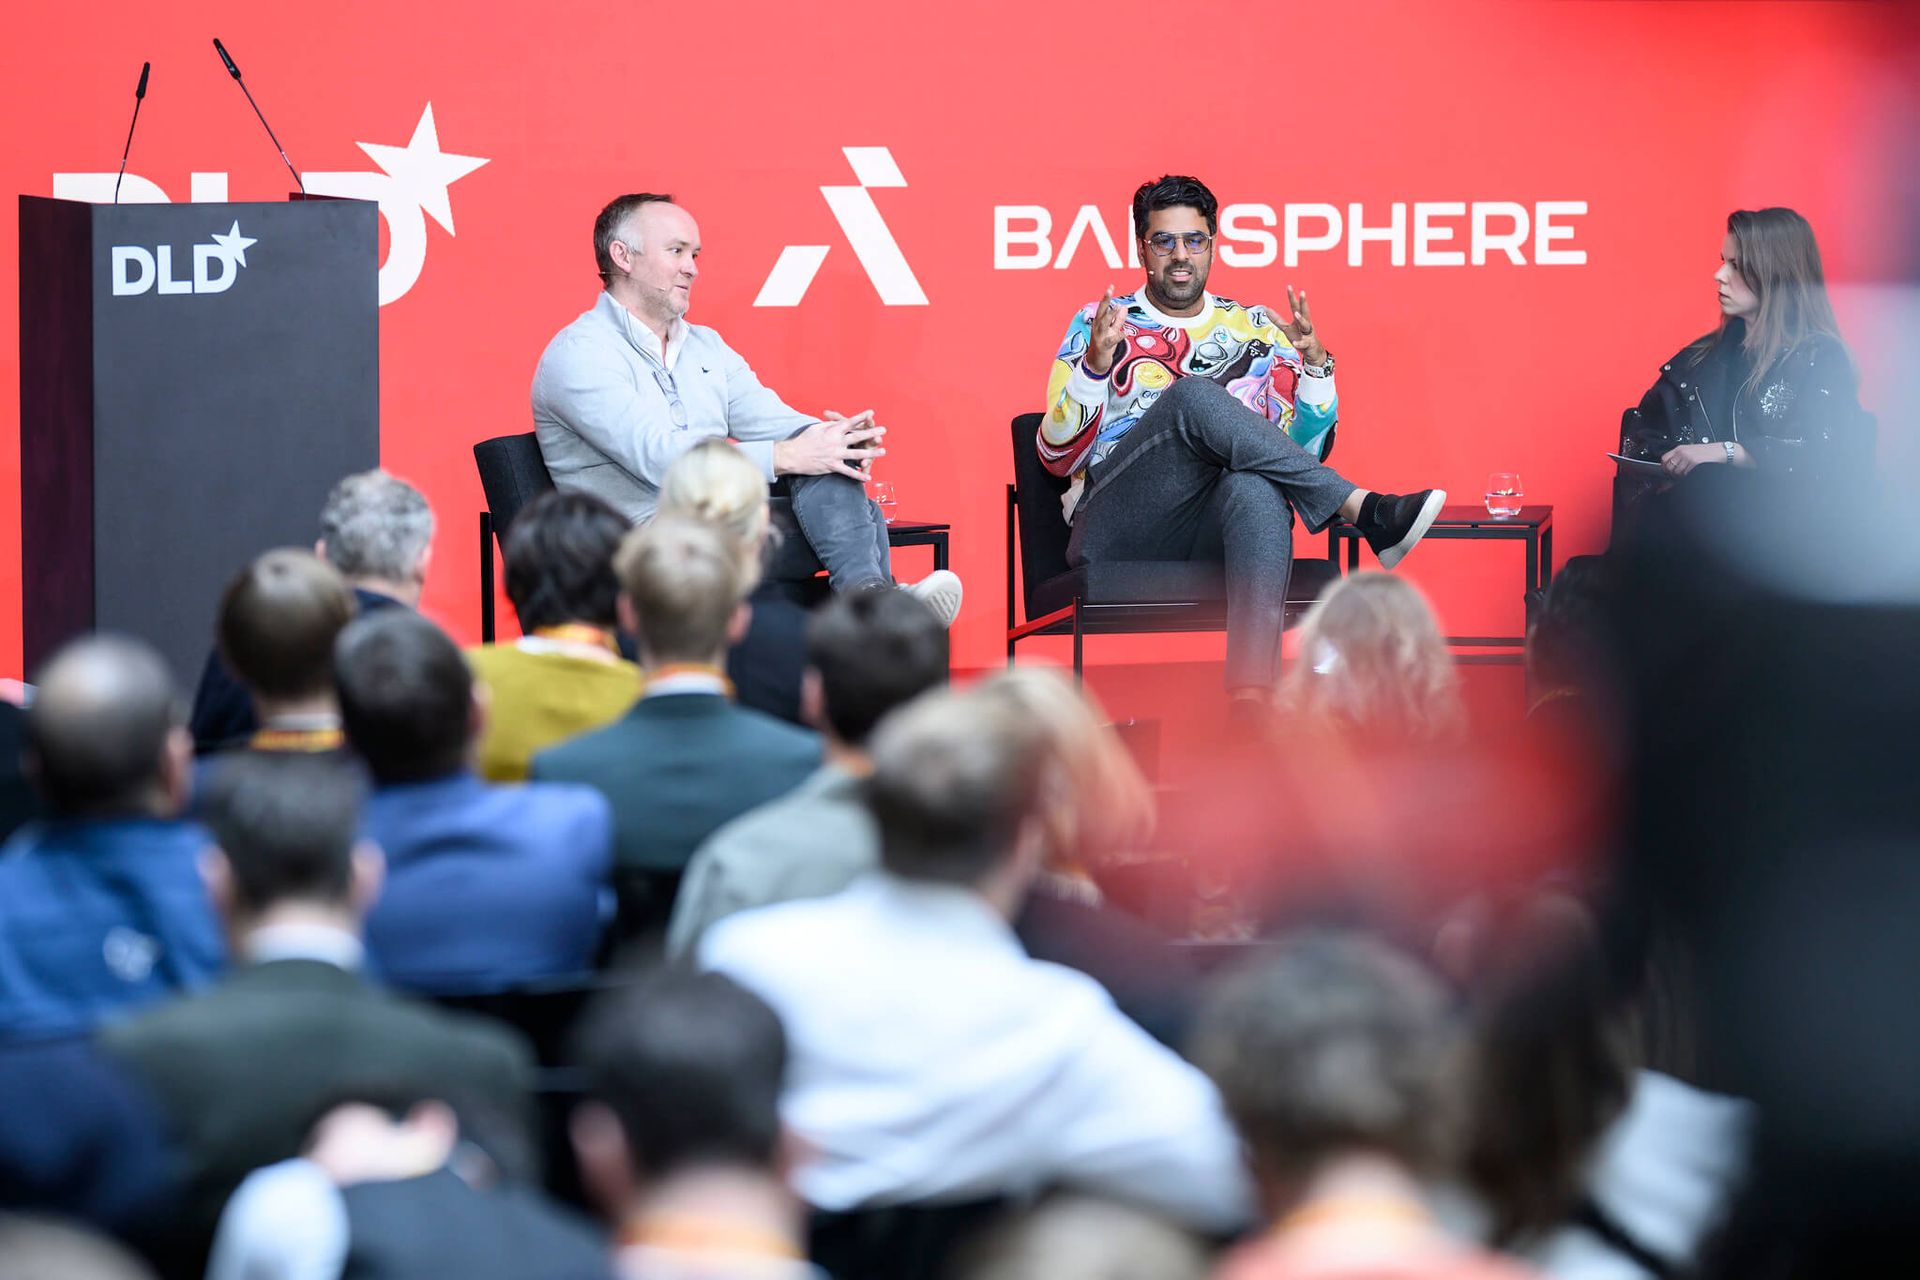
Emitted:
pixel 866 231
pixel 136 268
pixel 410 187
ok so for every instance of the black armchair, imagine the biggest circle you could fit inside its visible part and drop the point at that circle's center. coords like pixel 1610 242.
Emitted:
pixel 1112 597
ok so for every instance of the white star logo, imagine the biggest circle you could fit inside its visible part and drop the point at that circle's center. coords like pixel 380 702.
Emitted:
pixel 422 171
pixel 233 245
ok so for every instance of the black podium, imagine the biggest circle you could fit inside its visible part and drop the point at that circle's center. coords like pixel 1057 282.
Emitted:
pixel 193 379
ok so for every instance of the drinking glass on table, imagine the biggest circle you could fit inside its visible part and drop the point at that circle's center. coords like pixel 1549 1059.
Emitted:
pixel 1504 494
pixel 882 492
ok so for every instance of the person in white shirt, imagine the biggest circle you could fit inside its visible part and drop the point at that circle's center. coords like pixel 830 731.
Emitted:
pixel 629 386
pixel 934 1061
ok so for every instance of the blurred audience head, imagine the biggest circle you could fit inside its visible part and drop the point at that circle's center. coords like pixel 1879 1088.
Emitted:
pixel 559 554
pixel 1330 1045
pixel 1079 1237
pixel 683 1074
pixel 1373 662
pixel 34 1248
pixel 377 530
pixel 684 591
pixel 717 482
pixel 284 829
pixel 104 733
pixel 278 621
pixel 406 697
pixel 867 653
pixel 1549 1061
pixel 1109 804
pixel 957 788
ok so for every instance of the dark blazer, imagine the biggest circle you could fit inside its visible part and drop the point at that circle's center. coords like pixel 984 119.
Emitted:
pixel 223 713
pixel 487 887
pixel 436 1226
pixel 99 917
pixel 243 1070
pixel 675 768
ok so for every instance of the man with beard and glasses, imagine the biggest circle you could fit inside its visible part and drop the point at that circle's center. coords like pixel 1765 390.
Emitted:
pixel 1193 427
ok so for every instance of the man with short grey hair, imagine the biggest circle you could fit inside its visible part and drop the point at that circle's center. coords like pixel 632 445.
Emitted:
pixel 377 530
pixel 629 386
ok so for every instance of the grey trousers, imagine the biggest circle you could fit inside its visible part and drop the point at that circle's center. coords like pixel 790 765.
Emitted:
pixel 845 529
pixel 1203 477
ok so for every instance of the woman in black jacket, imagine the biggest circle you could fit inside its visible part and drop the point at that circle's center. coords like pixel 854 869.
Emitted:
pixel 1773 387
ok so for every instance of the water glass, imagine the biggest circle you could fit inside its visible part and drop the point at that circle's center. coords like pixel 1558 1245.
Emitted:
pixel 1504 494
pixel 882 492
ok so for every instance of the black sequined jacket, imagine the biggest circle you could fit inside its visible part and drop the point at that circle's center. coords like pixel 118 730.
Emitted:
pixel 1805 418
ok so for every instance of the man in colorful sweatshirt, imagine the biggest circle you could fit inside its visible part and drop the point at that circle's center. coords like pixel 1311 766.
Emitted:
pixel 1193 427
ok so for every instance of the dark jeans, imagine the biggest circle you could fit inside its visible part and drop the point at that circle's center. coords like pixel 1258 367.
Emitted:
pixel 1203 477
pixel 844 528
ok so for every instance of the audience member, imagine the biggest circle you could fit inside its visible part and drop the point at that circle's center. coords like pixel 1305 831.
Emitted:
pixel 487 887
pixel 241 1070
pixel 565 674
pixel 79 1139
pixel 934 1061
pixel 717 482
pixel 278 621
pixel 867 653
pixel 685 759
pixel 680 1141
pixel 1108 809
pixel 101 909
pixel 1332 1054
pixel 1374 666
pixel 46 1249
pixel 1583 1162
pixel 1076 1237
pixel 377 530
pixel 389 1187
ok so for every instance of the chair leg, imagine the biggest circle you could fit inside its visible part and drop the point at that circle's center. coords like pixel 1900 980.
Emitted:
pixel 1079 637
pixel 486 577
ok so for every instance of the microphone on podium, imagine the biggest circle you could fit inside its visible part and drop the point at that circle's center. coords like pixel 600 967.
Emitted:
pixel 235 72
pixel 139 96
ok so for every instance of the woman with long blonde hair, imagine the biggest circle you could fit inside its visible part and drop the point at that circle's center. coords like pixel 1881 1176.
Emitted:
pixel 1373 663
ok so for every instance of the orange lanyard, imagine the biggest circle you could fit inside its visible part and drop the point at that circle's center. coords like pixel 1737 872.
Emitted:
pixel 707 669
pixel 686 1233
pixel 293 740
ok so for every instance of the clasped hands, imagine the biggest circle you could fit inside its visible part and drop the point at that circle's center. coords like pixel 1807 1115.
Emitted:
pixel 838 445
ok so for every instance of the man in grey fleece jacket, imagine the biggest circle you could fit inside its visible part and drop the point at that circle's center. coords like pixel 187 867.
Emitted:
pixel 630 386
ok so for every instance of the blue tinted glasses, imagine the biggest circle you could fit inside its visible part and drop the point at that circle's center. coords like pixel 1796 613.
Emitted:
pixel 1162 242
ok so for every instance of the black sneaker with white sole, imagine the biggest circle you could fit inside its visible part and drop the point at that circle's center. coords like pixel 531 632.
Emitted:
pixel 1392 523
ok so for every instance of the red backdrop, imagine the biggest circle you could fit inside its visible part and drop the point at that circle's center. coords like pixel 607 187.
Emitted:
pixel 1657 118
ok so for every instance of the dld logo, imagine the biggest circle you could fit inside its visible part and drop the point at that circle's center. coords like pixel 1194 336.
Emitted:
pixel 410 187
pixel 136 269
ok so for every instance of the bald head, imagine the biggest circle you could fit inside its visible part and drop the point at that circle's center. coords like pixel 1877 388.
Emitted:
pixel 98 731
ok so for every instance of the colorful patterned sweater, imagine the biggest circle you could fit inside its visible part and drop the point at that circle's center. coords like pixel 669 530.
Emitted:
pixel 1241 348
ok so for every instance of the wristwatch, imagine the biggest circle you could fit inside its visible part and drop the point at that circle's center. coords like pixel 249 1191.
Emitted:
pixel 1729 445
pixel 1319 371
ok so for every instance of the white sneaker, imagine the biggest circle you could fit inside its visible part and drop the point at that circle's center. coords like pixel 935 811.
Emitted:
pixel 940 591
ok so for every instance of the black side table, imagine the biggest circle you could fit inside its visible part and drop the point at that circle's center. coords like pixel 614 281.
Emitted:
pixel 920 533
pixel 1464 522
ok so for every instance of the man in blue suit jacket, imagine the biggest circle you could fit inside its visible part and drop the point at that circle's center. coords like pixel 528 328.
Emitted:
pixel 487 887
pixel 686 759
pixel 101 906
